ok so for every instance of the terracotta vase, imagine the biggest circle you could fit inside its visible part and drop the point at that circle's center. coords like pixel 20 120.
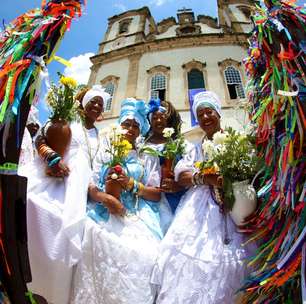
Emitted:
pixel 58 136
pixel 167 169
pixel 113 188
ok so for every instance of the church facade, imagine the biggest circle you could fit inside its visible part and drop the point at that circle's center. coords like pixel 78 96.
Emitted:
pixel 175 58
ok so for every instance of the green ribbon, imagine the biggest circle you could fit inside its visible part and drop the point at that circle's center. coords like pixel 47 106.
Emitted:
pixel 9 166
pixel 29 294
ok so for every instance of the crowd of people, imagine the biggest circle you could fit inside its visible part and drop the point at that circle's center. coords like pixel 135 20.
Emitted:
pixel 164 239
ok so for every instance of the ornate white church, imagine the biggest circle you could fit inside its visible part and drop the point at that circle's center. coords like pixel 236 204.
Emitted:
pixel 176 58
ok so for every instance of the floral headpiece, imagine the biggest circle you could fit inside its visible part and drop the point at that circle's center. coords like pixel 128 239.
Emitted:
pixel 155 106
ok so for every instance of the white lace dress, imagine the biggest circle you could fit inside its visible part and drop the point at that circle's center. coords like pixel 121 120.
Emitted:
pixel 195 266
pixel 56 211
pixel 119 252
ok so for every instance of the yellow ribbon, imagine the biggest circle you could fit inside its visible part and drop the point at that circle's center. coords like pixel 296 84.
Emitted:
pixel 63 61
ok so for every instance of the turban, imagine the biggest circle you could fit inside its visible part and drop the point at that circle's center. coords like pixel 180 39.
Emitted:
pixel 132 108
pixel 206 99
pixel 95 91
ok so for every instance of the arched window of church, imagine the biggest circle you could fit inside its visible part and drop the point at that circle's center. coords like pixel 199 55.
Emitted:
pixel 124 26
pixel 246 11
pixel 158 86
pixel 110 89
pixel 195 79
pixel 234 83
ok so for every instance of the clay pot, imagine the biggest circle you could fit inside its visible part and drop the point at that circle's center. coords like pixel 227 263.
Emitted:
pixel 113 188
pixel 167 169
pixel 58 136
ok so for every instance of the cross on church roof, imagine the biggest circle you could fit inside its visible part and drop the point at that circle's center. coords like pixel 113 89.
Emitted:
pixel 184 10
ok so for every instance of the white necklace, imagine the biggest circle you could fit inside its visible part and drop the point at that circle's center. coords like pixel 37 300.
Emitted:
pixel 89 150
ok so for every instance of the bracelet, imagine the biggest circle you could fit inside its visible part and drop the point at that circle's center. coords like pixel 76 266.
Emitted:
pixel 54 161
pixel 140 188
pixel 45 152
pixel 130 184
pixel 197 179
pixel 135 187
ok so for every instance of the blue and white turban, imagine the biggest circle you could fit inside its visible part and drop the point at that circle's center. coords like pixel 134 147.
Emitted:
pixel 132 108
pixel 206 99
pixel 155 106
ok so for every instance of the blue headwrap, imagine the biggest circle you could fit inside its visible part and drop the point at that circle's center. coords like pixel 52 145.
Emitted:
pixel 154 106
pixel 132 108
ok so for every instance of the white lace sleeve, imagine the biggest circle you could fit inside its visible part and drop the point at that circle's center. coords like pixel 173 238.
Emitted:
pixel 191 155
pixel 152 170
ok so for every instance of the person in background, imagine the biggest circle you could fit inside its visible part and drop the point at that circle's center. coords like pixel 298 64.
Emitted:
pixel 27 151
pixel 33 124
pixel 202 257
pixel 56 205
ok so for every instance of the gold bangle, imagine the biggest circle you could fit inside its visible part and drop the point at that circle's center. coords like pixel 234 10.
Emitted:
pixel 140 188
pixel 130 184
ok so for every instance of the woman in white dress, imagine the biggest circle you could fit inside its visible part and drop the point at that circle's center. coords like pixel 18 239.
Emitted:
pixel 122 236
pixel 56 206
pixel 162 114
pixel 201 258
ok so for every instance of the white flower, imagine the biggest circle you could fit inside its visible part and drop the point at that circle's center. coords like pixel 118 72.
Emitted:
pixel 121 131
pixel 217 168
pixel 208 148
pixel 219 138
pixel 104 132
pixel 167 132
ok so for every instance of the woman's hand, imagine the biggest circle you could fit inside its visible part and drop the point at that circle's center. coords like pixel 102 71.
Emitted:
pixel 110 202
pixel 121 177
pixel 215 180
pixel 123 180
pixel 113 205
pixel 169 185
pixel 58 170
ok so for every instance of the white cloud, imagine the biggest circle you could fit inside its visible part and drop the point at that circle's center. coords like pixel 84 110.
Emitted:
pixel 158 2
pixel 120 6
pixel 80 68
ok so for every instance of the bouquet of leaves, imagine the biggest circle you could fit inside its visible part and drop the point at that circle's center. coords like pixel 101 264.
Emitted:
pixel 173 147
pixel 232 155
pixel 60 99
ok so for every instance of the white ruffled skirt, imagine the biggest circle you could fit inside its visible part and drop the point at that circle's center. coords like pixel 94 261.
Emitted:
pixel 194 264
pixel 56 213
pixel 117 262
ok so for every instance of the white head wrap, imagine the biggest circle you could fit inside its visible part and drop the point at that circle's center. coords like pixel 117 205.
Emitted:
pixel 96 90
pixel 206 99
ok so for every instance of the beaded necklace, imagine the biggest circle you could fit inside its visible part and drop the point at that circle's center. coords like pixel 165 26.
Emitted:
pixel 89 150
